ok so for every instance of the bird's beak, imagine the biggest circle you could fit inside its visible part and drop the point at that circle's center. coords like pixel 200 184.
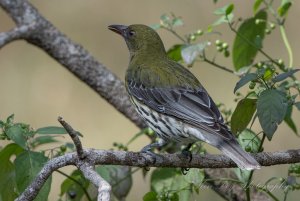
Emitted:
pixel 119 29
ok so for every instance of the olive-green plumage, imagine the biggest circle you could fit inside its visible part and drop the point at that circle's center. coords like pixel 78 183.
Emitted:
pixel 171 99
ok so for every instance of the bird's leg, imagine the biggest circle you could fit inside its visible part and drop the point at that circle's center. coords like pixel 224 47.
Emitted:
pixel 187 154
pixel 148 149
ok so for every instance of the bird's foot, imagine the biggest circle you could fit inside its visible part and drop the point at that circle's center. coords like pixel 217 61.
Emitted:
pixel 187 153
pixel 147 149
pixel 151 154
pixel 184 171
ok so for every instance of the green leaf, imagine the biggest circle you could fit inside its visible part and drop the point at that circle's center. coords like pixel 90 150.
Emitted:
pixel 181 187
pixel 168 180
pixel 242 114
pixel 242 175
pixel 175 52
pixel 69 186
pixel 51 130
pixel 224 19
pixel 119 177
pixel 28 164
pixel 150 196
pixel 2 124
pixel 245 43
pixel 284 7
pixel 165 20
pixel 268 74
pixel 256 5
pixel 285 75
pixel 195 176
pixel 289 121
pixel 16 134
pixel 155 26
pixel 244 80
pixel 162 177
pixel 177 22
pixel 37 141
pixel 7 172
pixel 10 119
pixel 249 141
pixel 229 9
pixel 271 110
pixel 222 11
pixel 190 52
pixel 294 169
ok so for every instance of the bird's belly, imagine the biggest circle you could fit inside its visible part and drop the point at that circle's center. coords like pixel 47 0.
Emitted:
pixel 166 127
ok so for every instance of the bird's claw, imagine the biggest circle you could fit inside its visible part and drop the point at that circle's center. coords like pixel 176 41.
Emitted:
pixel 187 154
pixel 151 154
pixel 184 170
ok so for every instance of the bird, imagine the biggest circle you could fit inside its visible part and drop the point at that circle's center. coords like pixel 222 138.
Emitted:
pixel 171 100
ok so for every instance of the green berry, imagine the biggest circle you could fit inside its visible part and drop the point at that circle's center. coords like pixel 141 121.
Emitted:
pixel 199 32
pixel 267 31
pixel 272 26
pixel 259 64
pixel 63 148
pixel 192 37
pixel 225 45
pixel 252 85
pixel 257 21
pixel 149 131
pixel 248 148
pixel 218 42
pixel 219 49
pixel 226 53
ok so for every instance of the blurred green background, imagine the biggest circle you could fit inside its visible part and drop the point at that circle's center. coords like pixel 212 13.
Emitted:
pixel 37 89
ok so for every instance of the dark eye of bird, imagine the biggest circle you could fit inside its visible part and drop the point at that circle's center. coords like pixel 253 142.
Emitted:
pixel 131 33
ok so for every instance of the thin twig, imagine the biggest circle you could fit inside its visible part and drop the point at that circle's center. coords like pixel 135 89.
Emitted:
pixel 74 136
pixel 15 34
pixel 217 65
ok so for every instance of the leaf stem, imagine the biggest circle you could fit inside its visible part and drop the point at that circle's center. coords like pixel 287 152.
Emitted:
pixel 282 32
pixel 77 182
pixel 252 171
pixel 205 59
pixel 287 44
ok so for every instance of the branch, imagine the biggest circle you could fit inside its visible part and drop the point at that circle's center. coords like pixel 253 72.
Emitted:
pixel 137 159
pixel 74 136
pixel 15 34
pixel 72 56
pixel 104 187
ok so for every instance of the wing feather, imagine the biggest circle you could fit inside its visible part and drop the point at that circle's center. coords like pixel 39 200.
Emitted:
pixel 192 106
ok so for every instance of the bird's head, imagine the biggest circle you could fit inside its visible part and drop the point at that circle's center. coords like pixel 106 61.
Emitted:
pixel 140 39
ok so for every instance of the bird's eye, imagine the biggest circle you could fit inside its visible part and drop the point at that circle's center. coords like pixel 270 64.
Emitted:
pixel 131 33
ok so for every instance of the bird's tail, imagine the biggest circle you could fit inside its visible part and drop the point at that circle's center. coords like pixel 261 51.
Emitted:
pixel 243 159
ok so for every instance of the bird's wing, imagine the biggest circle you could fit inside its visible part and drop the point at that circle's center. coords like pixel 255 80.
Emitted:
pixel 193 106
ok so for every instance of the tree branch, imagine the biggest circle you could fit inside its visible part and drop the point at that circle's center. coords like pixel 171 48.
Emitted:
pixel 72 56
pixel 104 187
pixel 137 159
pixel 74 135
pixel 15 34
